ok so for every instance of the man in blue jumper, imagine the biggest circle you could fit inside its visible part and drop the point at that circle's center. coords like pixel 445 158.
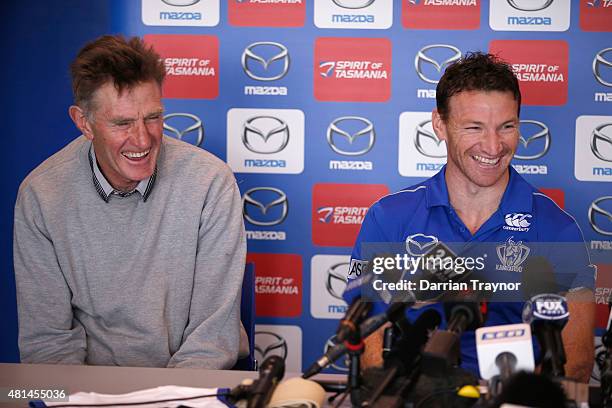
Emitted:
pixel 478 197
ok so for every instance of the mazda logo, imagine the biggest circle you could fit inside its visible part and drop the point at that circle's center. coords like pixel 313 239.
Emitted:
pixel 596 209
pixel 269 344
pixel 541 133
pixel 366 128
pixel 264 128
pixel 181 3
pixel 341 364
pixel 423 133
pixel 254 52
pixel 599 138
pixel 420 244
pixel 249 200
pixel 196 127
pixel 353 4
pixel 530 5
pixel 424 57
pixel 336 280
pixel 602 60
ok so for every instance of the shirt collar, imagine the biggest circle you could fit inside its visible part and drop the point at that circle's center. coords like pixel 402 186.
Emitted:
pixel 105 190
pixel 518 196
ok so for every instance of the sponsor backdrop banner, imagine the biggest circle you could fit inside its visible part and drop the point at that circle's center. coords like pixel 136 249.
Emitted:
pixel 323 106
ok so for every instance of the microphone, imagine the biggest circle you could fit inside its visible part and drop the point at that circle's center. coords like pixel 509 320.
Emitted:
pixel 438 265
pixel 606 366
pixel 538 277
pixel 402 357
pixel 548 314
pixel 412 340
pixel 356 313
pixel 271 372
pixel 498 346
pixel 369 326
pixel 442 349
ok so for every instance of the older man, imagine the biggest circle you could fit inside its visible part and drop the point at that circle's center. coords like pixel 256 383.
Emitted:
pixel 129 246
pixel 470 200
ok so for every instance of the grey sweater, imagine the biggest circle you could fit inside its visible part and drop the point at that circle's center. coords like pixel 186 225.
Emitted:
pixel 128 282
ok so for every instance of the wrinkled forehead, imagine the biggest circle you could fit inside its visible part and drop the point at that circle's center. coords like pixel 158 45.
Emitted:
pixel 141 97
pixel 483 102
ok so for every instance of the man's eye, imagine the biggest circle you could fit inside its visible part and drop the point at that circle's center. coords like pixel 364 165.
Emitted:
pixel 154 118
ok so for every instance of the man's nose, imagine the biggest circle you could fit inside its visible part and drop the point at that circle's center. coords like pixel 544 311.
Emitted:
pixel 492 143
pixel 140 134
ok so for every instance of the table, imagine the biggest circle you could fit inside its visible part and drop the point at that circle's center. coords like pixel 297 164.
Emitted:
pixel 119 380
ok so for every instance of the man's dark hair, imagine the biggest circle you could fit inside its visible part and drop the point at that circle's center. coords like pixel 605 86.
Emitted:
pixel 476 71
pixel 125 62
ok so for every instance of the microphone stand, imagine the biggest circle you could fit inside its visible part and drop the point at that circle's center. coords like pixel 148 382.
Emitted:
pixel 355 346
pixel 606 373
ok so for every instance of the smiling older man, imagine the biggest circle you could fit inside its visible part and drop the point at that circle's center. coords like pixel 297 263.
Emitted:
pixel 129 246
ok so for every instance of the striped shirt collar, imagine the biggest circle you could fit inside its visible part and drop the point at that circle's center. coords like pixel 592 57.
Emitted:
pixel 104 188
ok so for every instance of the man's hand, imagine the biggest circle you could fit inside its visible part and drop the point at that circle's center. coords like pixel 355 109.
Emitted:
pixel 578 335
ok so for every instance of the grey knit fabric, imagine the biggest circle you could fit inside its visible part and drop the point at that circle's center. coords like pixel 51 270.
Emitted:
pixel 129 282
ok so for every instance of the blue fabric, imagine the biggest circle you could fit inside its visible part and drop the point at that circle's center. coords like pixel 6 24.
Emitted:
pixel 425 209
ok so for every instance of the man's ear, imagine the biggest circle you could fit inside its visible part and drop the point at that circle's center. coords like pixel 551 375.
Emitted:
pixel 438 124
pixel 80 120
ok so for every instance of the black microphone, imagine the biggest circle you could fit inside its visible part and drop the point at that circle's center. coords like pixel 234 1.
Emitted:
pixel 369 326
pixel 442 349
pixel 405 352
pixel 271 372
pixel 538 277
pixel 356 313
pixel 412 340
pixel 506 363
pixel 548 313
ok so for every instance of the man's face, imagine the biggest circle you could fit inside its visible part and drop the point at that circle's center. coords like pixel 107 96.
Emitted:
pixel 481 134
pixel 126 131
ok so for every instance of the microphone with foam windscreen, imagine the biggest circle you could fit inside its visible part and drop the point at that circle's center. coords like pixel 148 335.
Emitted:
pixel 546 312
pixel 271 372
pixel 298 392
pixel 369 326
pixel 442 349
pixel 538 277
pixel 405 353
pixel 356 313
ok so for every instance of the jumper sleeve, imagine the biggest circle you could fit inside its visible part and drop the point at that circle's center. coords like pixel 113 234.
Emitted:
pixel 212 335
pixel 48 330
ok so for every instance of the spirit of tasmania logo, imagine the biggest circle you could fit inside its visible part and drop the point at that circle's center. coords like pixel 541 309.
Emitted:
pixel 541 67
pixel 595 15
pixel 278 284
pixel 441 14
pixel 352 69
pixel 339 209
pixel 192 64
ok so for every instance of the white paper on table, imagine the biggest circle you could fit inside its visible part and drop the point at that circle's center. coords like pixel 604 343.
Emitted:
pixel 166 392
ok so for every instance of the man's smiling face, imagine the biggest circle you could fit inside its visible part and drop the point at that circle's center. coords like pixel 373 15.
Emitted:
pixel 126 130
pixel 481 133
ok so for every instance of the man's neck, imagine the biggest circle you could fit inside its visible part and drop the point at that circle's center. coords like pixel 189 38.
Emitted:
pixel 474 204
